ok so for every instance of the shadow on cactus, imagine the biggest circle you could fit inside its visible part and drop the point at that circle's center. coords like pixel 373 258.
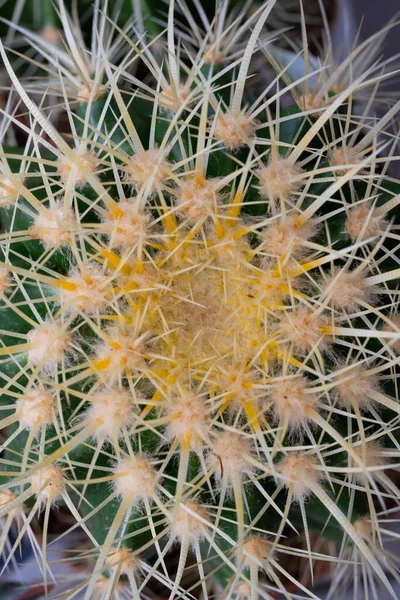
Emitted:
pixel 199 310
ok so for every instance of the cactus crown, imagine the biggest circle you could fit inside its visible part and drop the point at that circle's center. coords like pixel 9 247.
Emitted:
pixel 199 294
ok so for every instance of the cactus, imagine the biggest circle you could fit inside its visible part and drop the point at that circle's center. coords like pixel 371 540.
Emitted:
pixel 199 294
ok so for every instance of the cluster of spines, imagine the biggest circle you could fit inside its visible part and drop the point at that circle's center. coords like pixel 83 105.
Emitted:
pixel 226 337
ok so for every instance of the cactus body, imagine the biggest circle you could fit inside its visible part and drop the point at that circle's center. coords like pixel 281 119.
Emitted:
pixel 199 291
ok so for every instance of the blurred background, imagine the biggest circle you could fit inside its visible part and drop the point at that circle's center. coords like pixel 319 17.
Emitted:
pixel 375 14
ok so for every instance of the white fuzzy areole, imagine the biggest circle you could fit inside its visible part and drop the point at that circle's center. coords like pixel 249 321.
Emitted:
pixel 291 401
pixel 128 227
pixel 122 559
pixel 315 102
pixel 363 222
pixel 8 192
pixel 257 550
pixel 36 410
pixel 283 236
pixel 355 387
pixel 49 484
pixel 65 164
pixel 298 470
pixel 146 164
pixel 115 409
pixel 187 525
pixel 233 130
pixel 89 291
pixel 303 328
pixel 372 455
pixel 5 281
pixel 53 226
pixel 48 343
pixel 6 497
pixel 135 476
pixel 280 179
pixel 229 456
pixel 90 89
pixel 174 96
pixel 346 157
pixel 123 350
pixel 187 418
pixel 51 34
pixel 347 289
pixel 196 201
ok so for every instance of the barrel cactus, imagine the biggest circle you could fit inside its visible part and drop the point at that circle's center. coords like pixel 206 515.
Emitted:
pixel 199 306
